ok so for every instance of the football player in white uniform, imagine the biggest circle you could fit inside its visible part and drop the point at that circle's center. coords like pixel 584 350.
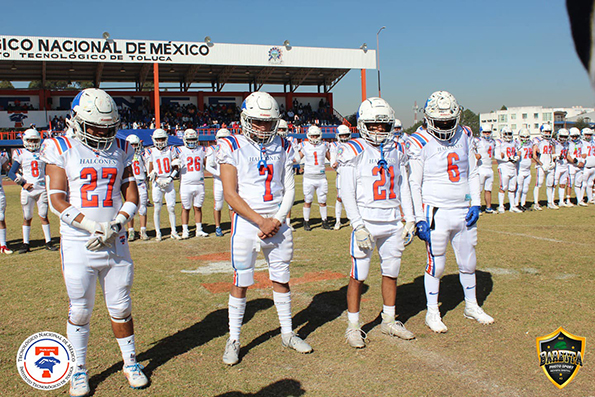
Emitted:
pixel 139 170
pixel 314 151
pixel 544 155
pixel 507 158
pixel 589 170
pixel 282 131
pixel 163 168
pixel 484 148
pixel 192 181
pixel 342 135
pixel 257 175
pixel 374 186
pixel 28 170
pixel 561 174
pixel 525 152
pixel 213 168
pixel 443 180
pixel 4 165
pixel 92 189
pixel 576 164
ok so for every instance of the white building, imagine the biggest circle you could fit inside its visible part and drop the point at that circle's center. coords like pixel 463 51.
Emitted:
pixel 530 117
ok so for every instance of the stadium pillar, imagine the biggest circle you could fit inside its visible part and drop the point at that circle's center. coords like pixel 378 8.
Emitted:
pixel 364 96
pixel 157 102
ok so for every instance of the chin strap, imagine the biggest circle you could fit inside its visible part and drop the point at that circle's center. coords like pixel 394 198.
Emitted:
pixel 382 162
pixel 263 154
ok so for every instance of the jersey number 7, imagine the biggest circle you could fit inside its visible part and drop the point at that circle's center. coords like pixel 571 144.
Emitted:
pixel 268 170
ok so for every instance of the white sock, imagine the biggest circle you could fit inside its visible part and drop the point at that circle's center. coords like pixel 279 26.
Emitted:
pixel 549 191
pixel 288 221
pixel 517 198
pixel 199 227
pixel 338 210
pixel 143 229
pixel 26 234
pixel 580 194
pixel 307 214
pixel 78 335
pixel 511 198
pixel 128 350
pixel 432 287
pixel 185 228
pixel 501 199
pixel 236 309
pixel 157 219
pixel 523 198
pixel 323 213
pixel 389 311
pixel 468 283
pixel 46 233
pixel 561 194
pixel 536 195
pixel 283 305
pixel 172 218
pixel 130 229
pixel 3 237
pixel 589 193
pixel 353 317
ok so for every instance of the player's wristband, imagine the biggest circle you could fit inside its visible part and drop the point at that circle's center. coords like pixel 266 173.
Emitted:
pixel 173 174
pixel 69 215
pixel 129 208
pixel 128 180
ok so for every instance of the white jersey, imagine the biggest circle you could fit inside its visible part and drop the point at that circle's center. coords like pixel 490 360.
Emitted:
pixel 443 173
pixel 575 151
pixel 192 172
pixel 589 147
pixel 138 168
pixel 561 150
pixel 94 178
pixel 212 165
pixel 314 157
pixel 379 191
pixel 525 152
pixel 545 150
pixel 485 148
pixel 161 160
pixel 261 175
pixel 333 149
pixel 505 151
pixel 32 167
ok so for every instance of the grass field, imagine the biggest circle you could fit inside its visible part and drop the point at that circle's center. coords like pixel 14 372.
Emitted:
pixel 535 273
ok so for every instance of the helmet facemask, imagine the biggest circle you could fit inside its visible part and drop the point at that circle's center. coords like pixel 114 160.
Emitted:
pixel 442 115
pixel 95 136
pixel 376 132
pixel 260 133
pixel 94 119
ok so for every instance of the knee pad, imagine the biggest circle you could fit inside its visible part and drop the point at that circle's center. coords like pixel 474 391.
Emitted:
pixel 27 212
pixel 79 314
pixel 391 267
pixel 279 272
pixel 171 209
pixel 218 205
pixel 121 309
pixel 142 210
pixel 243 277
pixel 360 268
pixel 438 242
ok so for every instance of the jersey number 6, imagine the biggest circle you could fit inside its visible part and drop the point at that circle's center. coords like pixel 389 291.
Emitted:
pixel 453 170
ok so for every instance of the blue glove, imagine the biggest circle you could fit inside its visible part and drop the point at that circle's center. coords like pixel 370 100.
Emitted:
pixel 472 215
pixel 423 231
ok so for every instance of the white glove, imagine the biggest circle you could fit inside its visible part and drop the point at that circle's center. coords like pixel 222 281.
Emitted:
pixel 153 176
pixel 408 228
pixel 363 238
pixel 178 163
pixel 104 236
pixel 164 183
pixel 551 166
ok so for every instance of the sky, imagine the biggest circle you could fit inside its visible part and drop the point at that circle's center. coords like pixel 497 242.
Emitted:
pixel 487 54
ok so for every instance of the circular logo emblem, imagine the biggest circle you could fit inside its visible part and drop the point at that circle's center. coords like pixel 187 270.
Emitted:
pixel 46 360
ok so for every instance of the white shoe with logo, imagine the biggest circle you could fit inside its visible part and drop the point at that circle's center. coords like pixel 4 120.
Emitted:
pixel 390 326
pixel 136 378
pixel 79 384
pixel 296 343
pixel 355 336
pixel 231 355
pixel 474 312
pixel 434 321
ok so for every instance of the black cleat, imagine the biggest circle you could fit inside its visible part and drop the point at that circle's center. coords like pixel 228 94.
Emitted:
pixel 50 247
pixel 325 224
pixel 24 249
pixel 307 226
pixel 523 208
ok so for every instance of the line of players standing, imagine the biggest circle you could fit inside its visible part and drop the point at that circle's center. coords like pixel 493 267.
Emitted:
pixel 565 162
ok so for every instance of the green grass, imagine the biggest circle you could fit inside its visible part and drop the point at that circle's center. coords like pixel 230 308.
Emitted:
pixel 535 273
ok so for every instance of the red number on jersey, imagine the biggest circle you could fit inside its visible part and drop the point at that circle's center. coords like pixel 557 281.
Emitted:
pixel 268 195
pixel 91 174
pixel 510 152
pixel 379 185
pixel 166 167
pixel 136 167
pixel 315 158
pixel 528 153
pixel 453 170
pixel 490 151
pixel 34 168
pixel 193 163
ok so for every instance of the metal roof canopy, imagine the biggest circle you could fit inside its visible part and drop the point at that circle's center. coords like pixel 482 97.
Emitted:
pixel 131 61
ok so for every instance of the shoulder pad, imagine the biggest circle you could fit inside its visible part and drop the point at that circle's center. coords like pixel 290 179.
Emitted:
pixel 231 142
pixel 62 144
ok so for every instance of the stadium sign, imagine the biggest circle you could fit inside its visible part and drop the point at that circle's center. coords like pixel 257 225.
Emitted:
pixel 60 49
pixel 561 354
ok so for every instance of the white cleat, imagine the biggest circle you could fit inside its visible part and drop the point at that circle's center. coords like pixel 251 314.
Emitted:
pixel 296 343
pixel 516 210
pixel 501 210
pixel 136 378
pixel 561 204
pixel 390 326
pixel 231 355
pixel 176 236
pixel 158 237
pixel 569 203
pixel 200 233
pixel 583 204
pixel 143 235
pixel 552 206
pixel 434 321
pixel 537 207
pixel 474 312
pixel 185 235
pixel 131 235
pixel 355 336
pixel 79 384
pixel 337 226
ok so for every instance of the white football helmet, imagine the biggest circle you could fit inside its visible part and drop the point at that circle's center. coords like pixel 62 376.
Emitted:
pixel 135 142
pixel 159 139
pixel 563 135
pixel 190 138
pixel 31 140
pixel 283 128
pixel 343 133
pixel 398 127
pixel 222 133
pixel 375 111
pixel 506 134
pixel 314 135
pixel 524 135
pixel 587 133
pixel 94 108
pixel 486 131
pixel 442 114
pixel 261 107
pixel 575 134
pixel 546 131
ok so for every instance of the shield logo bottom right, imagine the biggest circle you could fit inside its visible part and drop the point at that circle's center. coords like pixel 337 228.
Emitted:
pixel 561 355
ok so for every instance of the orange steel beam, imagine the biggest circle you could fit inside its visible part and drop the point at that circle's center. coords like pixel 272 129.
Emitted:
pixel 156 90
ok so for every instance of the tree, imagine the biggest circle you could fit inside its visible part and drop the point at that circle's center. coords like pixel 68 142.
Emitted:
pixel 6 85
pixel 470 119
pixel 352 118
pixel 413 128
pixel 503 107
pixel 581 123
